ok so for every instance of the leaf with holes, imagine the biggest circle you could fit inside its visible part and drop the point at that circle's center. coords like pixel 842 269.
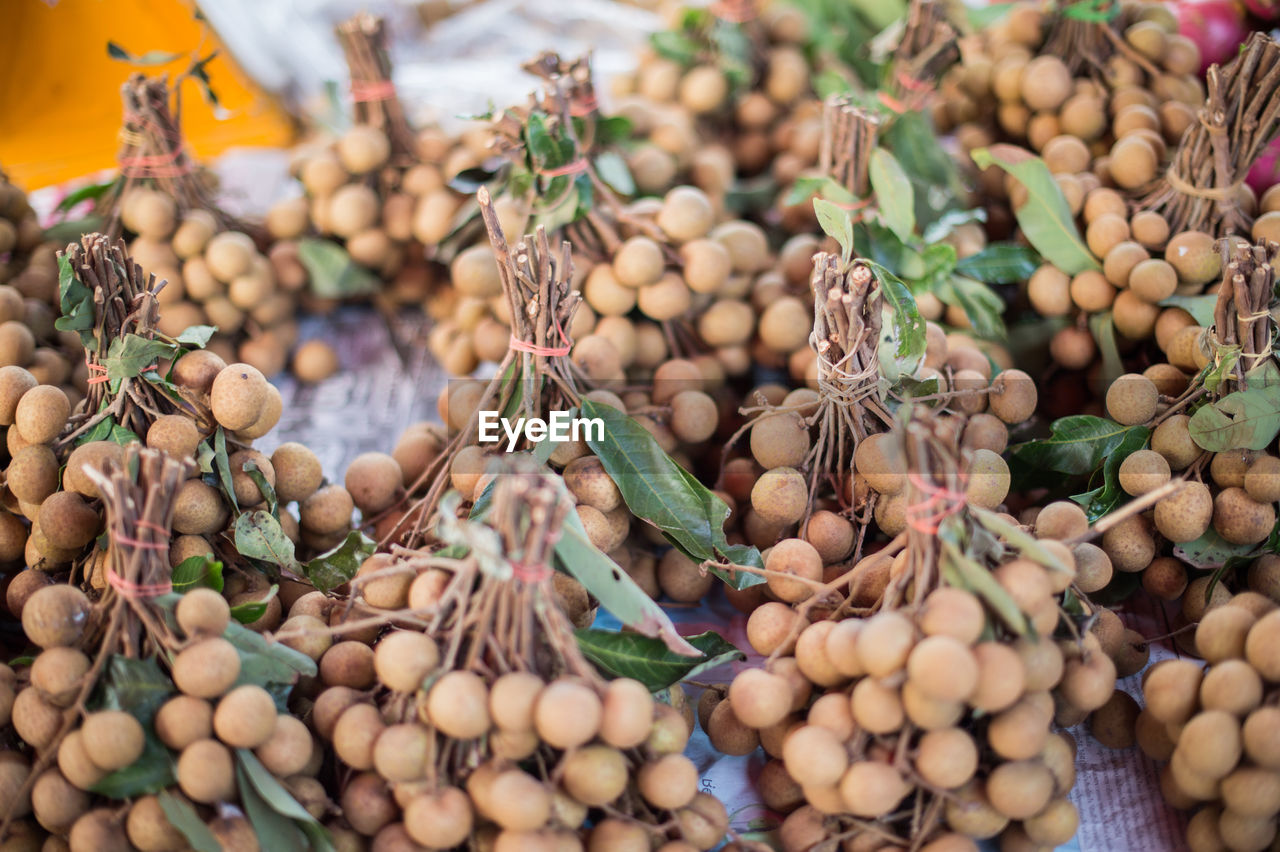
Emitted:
pixel 337 566
pixel 258 535
pixel 1244 420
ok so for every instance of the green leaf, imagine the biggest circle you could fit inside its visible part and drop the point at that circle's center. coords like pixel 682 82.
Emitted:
pixel 613 170
pixel 650 661
pixel 133 354
pixel 151 57
pixel 893 194
pixel 1200 307
pixel 807 186
pixel 1000 263
pixel 184 818
pixel 276 797
pixel 89 192
pixel 76 302
pixel 197 572
pixel 1077 444
pixel 612 130
pixel 659 491
pixel 274 830
pixel 676 46
pixel 835 223
pixel 982 306
pixel 337 566
pixel 250 611
pixel 935 179
pixel 576 556
pixel 1224 365
pixel 981 17
pixel 268 492
pixel 137 687
pixel 1244 420
pixel 1210 551
pixel 332 272
pixel 1103 328
pixel 258 536
pixel 196 336
pixel 907 326
pixel 1044 217
pixel 222 464
pixel 205 456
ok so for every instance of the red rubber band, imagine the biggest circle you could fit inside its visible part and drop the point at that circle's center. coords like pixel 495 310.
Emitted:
pixel 912 84
pixel 137 590
pixel 526 573
pixel 372 90
pixel 892 103
pixel 548 351
pixel 940 504
pixel 145 545
pixel 95 368
pixel 156 165
pixel 576 167
pixel 580 107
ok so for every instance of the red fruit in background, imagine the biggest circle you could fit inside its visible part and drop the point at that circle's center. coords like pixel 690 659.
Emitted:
pixel 1216 26
pixel 1267 10
pixel 1265 172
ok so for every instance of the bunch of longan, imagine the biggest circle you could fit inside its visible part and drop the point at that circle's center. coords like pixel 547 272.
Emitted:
pixel 697 126
pixel 859 716
pixel 597 746
pixel 207 718
pixel 1218 727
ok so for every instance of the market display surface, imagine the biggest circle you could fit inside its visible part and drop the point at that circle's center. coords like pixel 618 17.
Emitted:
pixel 853 428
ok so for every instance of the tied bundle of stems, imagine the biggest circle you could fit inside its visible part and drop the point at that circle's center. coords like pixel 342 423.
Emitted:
pixel 154 153
pixel 574 78
pixel 138 493
pixel 1202 188
pixel 1085 35
pixel 364 40
pixel 848 138
pixel 535 377
pixel 1242 316
pixel 124 303
pixel 847 308
pixel 928 47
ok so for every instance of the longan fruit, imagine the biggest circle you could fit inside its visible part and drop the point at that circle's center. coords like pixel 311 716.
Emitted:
pixel 1153 279
pixel 182 720
pixel 1020 789
pixel 67 521
pixel 769 627
pixel 669 782
pixel 814 757
pixel 988 479
pixel 1260 735
pixel 785 324
pixel 440 818
pixel 237 396
pixel 1091 291
pixel 363 148
pixel 1193 255
pixel 113 739
pixel 32 474
pixel 41 413
pixel 1240 519
pixel 17 345
pixel 638 262
pixel 355 734
pixel 872 789
pixel 1061 520
pixel 1012 396
pixel 15 382
pixel 970 812
pixel 56 616
pixel 149 829
pixel 1173 440
pixel 1143 471
pixel 197 370
pixel 205 772
pixel 1049 291
pixel 694 416
pixel 314 361
pixel 1261 646
pixel 374 481
pixel 202 612
pixel 878 458
pixel 627 713
pixel 327 511
pixel 760 698
pixel 1133 162
pixel 1120 262
pixel 594 775
pixel 780 495
pixel 1002 677
pixel 1210 743
pixel 403 658
pixel 1046 83
pixel 206 668
pixel 780 440
pixel 1132 399
pixel 1072 347
pixel 245 717
pixel 946 758
pixel 35 720
pixel 796 557
pixel 229 254
pixel 1233 686
pixel 1087 683
pixel 567 713
pixel 1262 479
pixel 298 472
pixel 943 668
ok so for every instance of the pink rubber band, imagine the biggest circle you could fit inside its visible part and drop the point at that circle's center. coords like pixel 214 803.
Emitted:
pixel 580 107
pixel 940 504
pixel 526 573
pixel 576 167
pixel 372 90
pixel 734 11
pixel 137 590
